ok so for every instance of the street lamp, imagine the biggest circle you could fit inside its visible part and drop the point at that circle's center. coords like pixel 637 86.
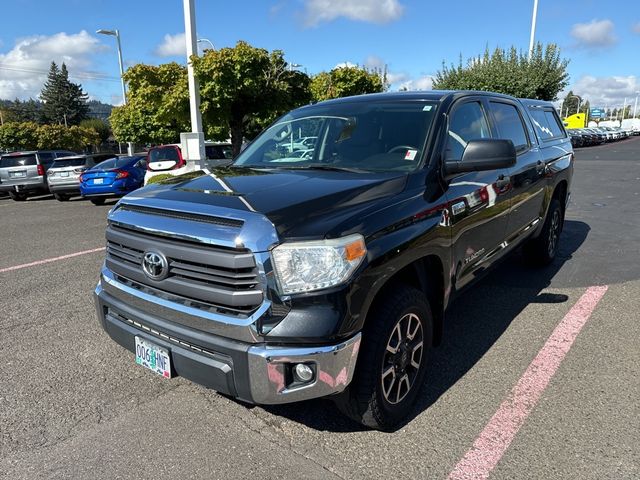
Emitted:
pixel 201 40
pixel 533 27
pixel 293 66
pixel 635 107
pixel 579 102
pixel 116 33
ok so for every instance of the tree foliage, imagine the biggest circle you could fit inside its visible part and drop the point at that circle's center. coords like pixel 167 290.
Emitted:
pixel 542 76
pixel 347 81
pixel 64 101
pixel 31 136
pixel 158 105
pixel 245 88
pixel 101 128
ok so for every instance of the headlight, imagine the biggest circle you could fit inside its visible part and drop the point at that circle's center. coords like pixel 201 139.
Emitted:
pixel 313 265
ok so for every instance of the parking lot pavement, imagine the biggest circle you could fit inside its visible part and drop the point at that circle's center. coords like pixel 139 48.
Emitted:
pixel 73 404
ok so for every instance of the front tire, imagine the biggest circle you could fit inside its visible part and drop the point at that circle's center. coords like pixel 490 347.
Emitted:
pixel 392 360
pixel 543 249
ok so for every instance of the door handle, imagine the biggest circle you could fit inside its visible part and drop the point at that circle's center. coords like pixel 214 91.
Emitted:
pixel 503 181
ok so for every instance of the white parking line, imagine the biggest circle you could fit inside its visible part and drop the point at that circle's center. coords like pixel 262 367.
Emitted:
pixel 494 440
pixel 49 260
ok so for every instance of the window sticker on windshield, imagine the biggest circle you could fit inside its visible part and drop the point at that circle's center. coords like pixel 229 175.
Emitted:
pixel 410 155
pixel 427 108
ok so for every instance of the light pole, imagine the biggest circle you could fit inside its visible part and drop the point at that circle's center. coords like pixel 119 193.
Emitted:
pixel 624 107
pixel 293 66
pixel 192 143
pixel 202 40
pixel 579 102
pixel 533 27
pixel 116 33
pixel 635 107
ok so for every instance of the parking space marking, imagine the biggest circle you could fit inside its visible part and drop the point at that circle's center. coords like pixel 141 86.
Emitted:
pixel 49 260
pixel 494 440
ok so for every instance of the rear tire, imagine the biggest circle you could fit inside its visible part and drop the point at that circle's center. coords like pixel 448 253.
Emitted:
pixel 97 201
pixel 392 360
pixel 543 249
pixel 61 197
pixel 18 197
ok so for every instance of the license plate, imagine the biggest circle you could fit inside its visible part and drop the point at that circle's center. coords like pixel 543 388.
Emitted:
pixel 64 174
pixel 18 174
pixel 98 181
pixel 153 357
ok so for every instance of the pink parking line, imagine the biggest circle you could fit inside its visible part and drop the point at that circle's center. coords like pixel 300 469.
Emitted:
pixel 49 260
pixel 493 441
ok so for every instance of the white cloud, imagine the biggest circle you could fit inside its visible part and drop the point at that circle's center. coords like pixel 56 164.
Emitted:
pixel 421 83
pixel 595 34
pixel 346 65
pixel 373 11
pixel 23 69
pixel 607 91
pixel 172 46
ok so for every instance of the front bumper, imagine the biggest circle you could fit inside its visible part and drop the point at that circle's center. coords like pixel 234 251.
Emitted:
pixel 253 372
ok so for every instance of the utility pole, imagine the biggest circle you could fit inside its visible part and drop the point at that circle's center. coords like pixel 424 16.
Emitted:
pixel 533 27
pixel 635 107
pixel 624 107
pixel 192 143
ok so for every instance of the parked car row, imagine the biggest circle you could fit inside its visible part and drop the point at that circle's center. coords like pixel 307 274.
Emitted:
pixel 97 177
pixel 585 137
pixel 66 174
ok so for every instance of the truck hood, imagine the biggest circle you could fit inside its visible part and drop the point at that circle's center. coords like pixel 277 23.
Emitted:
pixel 299 203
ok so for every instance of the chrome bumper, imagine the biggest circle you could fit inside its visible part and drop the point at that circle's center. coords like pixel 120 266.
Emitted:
pixel 333 365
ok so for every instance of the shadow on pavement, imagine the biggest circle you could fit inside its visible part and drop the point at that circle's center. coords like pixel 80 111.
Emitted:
pixel 473 324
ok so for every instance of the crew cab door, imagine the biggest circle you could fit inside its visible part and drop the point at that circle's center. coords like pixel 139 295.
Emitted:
pixel 479 202
pixel 528 174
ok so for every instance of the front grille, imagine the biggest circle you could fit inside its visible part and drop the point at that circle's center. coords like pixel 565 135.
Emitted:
pixel 224 278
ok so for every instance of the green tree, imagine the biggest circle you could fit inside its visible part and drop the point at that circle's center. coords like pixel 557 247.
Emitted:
pixel 347 81
pixel 158 105
pixel 64 101
pixel 72 138
pixel 100 127
pixel 18 136
pixel 542 76
pixel 245 88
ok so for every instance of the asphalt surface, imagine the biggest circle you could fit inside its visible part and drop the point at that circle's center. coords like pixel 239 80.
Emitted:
pixel 73 404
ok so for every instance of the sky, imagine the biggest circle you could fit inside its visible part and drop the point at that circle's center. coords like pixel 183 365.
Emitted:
pixel 411 37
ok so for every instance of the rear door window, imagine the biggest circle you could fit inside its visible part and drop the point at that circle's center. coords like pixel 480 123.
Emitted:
pixel 509 124
pixel 18 161
pixel 546 123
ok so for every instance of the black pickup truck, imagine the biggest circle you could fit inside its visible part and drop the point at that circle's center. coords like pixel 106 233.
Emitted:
pixel 323 260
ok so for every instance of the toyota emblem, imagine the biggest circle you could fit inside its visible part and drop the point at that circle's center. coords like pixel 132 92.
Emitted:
pixel 155 265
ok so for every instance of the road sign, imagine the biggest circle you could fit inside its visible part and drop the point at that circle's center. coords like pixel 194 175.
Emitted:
pixel 597 113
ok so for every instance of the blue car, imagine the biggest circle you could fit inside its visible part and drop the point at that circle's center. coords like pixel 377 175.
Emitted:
pixel 113 178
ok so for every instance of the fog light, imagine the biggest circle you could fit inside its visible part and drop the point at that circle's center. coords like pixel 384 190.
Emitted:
pixel 303 372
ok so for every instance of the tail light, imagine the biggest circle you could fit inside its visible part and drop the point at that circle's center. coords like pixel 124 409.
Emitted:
pixel 40 169
pixel 121 174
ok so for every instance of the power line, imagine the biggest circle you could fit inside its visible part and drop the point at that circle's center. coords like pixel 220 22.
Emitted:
pixel 80 75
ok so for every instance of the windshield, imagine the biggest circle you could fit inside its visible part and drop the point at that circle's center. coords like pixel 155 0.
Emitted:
pixel 358 136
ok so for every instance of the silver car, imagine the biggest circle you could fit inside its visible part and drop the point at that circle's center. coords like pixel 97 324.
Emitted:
pixel 23 174
pixel 64 175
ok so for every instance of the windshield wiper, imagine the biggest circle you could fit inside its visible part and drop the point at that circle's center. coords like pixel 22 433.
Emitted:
pixel 323 166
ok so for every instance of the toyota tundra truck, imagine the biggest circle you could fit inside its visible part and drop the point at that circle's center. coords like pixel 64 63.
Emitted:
pixel 285 277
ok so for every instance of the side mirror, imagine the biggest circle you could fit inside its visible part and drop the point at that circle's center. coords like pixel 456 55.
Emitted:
pixel 482 155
